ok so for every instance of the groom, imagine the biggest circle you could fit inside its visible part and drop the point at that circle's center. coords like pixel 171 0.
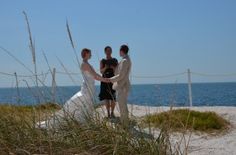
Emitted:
pixel 122 84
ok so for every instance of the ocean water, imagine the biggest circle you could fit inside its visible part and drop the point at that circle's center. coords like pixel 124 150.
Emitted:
pixel 204 94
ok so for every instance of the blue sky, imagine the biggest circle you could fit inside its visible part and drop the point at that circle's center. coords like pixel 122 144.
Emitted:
pixel 165 37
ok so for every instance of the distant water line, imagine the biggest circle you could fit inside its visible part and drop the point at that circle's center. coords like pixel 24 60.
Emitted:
pixel 204 94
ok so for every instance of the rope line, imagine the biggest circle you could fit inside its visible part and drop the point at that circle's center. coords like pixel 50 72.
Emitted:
pixel 9 74
pixel 214 75
pixel 161 76
pixel 65 73
pixel 133 76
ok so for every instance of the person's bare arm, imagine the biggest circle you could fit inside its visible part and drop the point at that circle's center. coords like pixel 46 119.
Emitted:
pixel 102 67
pixel 96 76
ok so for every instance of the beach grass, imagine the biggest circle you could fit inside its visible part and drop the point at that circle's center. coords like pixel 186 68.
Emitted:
pixel 185 119
pixel 18 135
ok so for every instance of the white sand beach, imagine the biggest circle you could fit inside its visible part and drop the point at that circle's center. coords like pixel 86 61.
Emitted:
pixel 200 144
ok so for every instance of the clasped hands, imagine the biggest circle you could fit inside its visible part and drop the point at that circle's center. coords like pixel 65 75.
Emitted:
pixel 107 80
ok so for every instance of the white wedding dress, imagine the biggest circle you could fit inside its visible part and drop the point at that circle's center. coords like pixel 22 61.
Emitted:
pixel 79 107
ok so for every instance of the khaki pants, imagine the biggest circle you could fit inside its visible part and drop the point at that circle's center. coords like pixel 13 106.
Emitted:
pixel 122 96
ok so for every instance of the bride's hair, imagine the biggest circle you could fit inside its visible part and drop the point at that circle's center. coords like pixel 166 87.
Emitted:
pixel 84 52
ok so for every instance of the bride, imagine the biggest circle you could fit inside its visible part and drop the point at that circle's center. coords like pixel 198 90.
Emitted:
pixel 80 106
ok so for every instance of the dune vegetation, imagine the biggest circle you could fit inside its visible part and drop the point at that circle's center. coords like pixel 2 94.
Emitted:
pixel 18 135
pixel 185 119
